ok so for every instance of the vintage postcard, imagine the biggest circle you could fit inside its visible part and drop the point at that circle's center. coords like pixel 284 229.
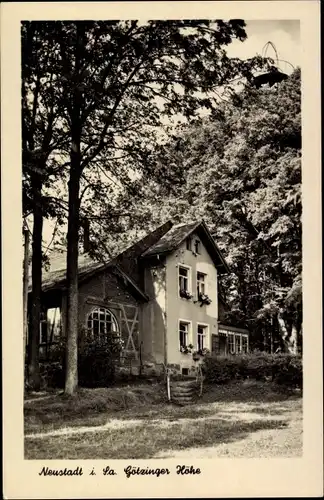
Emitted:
pixel 161 249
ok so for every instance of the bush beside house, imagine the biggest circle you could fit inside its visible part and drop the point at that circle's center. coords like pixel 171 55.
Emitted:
pixel 282 369
pixel 98 360
pixel 96 363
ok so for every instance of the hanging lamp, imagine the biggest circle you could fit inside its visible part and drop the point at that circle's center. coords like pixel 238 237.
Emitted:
pixel 273 73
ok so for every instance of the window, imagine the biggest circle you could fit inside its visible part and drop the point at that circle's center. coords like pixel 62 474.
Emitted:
pixel 183 334
pixel 43 328
pixel 215 343
pixel 231 343
pixel 189 243
pixel 201 284
pixel 184 281
pixel 244 343
pixel 197 246
pixel 50 325
pixel 202 337
pixel 50 331
pixel 54 325
pixel 237 344
pixel 101 322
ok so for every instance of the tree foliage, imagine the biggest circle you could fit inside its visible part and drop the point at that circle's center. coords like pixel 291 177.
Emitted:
pixel 113 83
pixel 42 137
pixel 241 172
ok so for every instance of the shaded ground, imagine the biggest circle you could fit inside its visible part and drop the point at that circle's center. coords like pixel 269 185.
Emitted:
pixel 236 420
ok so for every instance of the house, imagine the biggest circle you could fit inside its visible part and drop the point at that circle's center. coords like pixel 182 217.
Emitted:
pixel 160 295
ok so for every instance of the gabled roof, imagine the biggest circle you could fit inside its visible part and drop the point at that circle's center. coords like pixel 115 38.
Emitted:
pixel 55 277
pixel 172 239
pixel 165 239
pixel 56 274
pixel 122 261
pixel 178 234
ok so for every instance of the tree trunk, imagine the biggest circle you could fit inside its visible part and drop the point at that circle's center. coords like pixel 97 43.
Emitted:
pixel 25 287
pixel 34 333
pixel 71 378
pixel 271 336
pixel 289 340
pixel 294 340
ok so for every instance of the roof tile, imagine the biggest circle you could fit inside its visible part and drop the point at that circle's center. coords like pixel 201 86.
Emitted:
pixel 172 239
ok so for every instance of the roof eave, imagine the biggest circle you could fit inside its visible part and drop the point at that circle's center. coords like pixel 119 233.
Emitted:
pixel 155 254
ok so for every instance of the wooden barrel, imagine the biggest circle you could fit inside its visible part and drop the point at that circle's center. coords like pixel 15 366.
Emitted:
pixel 184 392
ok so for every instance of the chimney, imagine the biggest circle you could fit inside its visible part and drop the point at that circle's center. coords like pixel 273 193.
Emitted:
pixel 128 260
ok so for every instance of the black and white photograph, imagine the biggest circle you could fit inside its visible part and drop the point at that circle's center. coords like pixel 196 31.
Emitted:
pixel 161 236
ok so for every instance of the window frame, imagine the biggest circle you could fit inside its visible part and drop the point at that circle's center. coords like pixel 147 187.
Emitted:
pixel 205 292
pixel 238 336
pixel 245 337
pixel 189 278
pixel 46 324
pixel 235 334
pixel 232 336
pixel 197 247
pixel 189 332
pixel 206 335
pixel 101 335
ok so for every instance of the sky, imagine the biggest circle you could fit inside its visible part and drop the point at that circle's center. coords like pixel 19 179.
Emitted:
pixel 284 34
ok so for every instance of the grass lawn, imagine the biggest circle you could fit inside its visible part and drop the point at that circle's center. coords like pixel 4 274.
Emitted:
pixel 239 419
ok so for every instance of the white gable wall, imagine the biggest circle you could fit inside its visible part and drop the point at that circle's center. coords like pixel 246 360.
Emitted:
pixel 178 308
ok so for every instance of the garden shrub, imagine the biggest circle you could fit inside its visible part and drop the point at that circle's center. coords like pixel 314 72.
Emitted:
pixel 283 369
pixel 96 363
pixel 259 365
pixel 288 371
pixel 52 375
pixel 222 369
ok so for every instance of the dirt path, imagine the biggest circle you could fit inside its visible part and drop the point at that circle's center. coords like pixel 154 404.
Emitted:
pixel 121 424
pixel 68 431
pixel 211 429
pixel 284 442
pixel 40 398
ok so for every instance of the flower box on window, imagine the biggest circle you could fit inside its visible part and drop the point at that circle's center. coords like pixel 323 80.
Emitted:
pixel 196 355
pixel 186 349
pixel 185 294
pixel 204 299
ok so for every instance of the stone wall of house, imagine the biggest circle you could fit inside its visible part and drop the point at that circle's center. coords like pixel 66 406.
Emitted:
pixel 189 311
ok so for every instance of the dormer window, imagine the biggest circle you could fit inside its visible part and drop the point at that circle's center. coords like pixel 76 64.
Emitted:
pixel 197 246
pixel 189 243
